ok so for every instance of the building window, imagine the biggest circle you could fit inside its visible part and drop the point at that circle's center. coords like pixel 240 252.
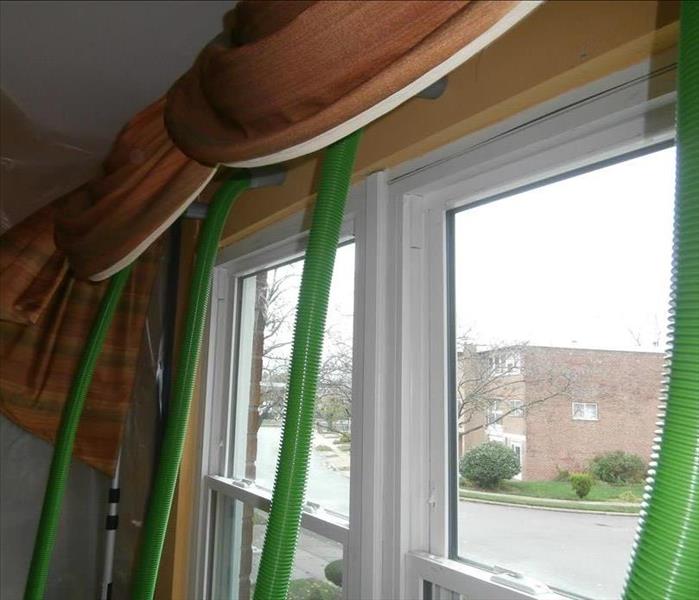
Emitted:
pixel 493 413
pixel 504 361
pixel 585 411
pixel 517 408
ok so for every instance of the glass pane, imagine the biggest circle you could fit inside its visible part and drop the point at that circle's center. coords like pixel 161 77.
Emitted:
pixel 265 334
pixel 559 370
pixel 239 536
pixel 432 591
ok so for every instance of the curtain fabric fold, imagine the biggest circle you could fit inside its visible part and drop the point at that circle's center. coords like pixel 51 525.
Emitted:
pixel 50 314
pixel 288 78
pixel 46 308
pixel 147 183
pixel 274 83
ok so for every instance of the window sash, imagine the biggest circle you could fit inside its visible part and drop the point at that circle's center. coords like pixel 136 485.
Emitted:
pixel 316 519
pixel 281 243
pixel 610 125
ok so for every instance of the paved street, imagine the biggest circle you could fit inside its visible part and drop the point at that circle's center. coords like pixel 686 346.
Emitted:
pixel 585 553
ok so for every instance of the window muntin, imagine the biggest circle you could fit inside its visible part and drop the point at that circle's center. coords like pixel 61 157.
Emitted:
pixel 585 411
pixel 592 303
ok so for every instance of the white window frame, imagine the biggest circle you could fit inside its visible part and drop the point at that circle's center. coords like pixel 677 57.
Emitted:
pixel 272 246
pixel 400 534
pixel 628 112
pixel 585 406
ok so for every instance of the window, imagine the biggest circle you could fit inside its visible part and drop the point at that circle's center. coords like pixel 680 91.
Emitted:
pixel 433 349
pixel 572 331
pixel 238 538
pixel 517 448
pixel 503 361
pixel 585 411
pixel 517 408
pixel 254 325
pixel 267 308
pixel 493 414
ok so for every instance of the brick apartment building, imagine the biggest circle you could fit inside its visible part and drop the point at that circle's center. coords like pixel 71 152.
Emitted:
pixel 558 407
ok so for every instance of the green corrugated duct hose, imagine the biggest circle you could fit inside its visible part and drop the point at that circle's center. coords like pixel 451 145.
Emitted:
pixel 160 502
pixel 65 439
pixel 292 468
pixel 665 564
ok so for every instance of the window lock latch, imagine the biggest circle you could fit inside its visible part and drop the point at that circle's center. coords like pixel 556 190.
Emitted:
pixel 519 582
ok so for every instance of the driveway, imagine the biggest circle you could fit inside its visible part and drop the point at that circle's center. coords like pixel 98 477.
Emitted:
pixel 585 553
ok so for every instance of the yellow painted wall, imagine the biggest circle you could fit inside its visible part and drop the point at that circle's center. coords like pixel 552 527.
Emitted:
pixel 563 45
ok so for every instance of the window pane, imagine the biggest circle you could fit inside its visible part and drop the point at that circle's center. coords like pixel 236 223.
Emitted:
pixel 239 536
pixel 264 341
pixel 559 370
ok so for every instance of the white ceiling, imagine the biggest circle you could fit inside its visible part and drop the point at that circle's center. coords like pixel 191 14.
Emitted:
pixel 83 68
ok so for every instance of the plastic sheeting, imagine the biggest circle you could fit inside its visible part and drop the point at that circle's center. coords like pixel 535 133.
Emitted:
pixel 36 168
pixel 24 460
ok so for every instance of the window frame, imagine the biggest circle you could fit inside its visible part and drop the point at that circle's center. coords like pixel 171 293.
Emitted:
pixel 612 119
pixel 280 243
pixel 584 406
pixel 517 409
pixel 404 431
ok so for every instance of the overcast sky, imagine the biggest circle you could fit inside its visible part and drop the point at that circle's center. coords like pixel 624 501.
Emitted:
pixel 581 262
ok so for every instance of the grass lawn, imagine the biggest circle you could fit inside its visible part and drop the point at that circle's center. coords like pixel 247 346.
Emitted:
pixel 548 502
pixel 562 490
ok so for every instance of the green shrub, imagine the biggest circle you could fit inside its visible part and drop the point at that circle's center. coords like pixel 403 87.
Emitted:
pixel 344 438
pixel 562 475
pixel 333 572
pixel 618 467
pixel 313 589
pixel 488 464
pixel 581 484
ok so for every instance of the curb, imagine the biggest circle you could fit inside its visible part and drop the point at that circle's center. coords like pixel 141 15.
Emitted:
pixel 550 508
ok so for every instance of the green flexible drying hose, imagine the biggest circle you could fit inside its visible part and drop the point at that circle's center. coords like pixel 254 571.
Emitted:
pixel 665 562
pixel 160 502
pixel 65 439
pixel 292 467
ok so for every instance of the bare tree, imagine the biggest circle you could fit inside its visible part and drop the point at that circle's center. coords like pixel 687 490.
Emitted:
pixel 271 344
pixel 334 395
pixel 494 377
pixel 271 315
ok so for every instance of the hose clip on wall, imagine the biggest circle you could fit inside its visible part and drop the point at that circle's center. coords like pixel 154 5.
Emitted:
pixel 260 177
